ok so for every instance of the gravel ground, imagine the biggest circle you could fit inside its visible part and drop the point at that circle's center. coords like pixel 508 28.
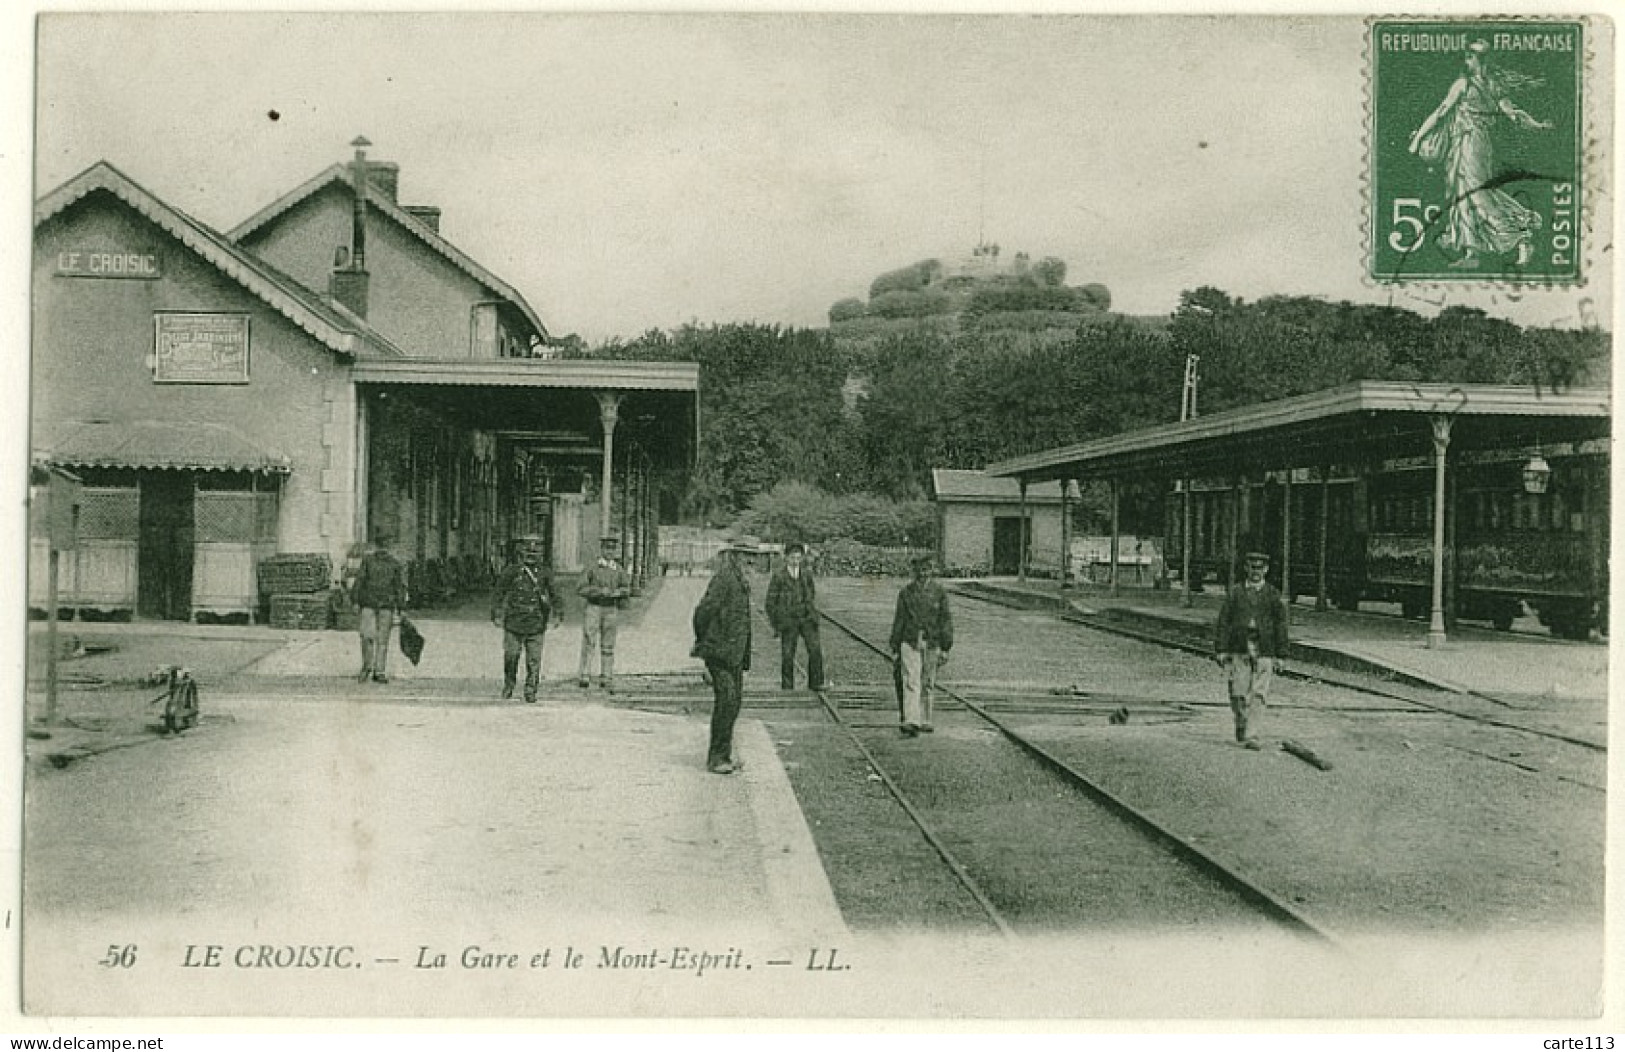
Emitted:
pixel 1425 822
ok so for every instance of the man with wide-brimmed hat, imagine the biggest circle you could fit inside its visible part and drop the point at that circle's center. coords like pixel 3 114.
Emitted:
pixel 524 604
pixel 606 588
pixel 379 593
pixel 922 634
pixel 722 641
pixel 1248 641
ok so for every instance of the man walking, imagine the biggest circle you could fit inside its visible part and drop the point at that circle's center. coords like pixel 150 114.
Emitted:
pixel 922 634
pixel 792 610
pixel 524 604
pixel 380 594
pixel 605 587
pixel 1247 642
pixel 722 641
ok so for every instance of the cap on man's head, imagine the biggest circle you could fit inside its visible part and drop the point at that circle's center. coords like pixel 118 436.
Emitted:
pixel 610 540
pixel 529 540
pixel 1260 558
pixel 922 560
pixel 796 548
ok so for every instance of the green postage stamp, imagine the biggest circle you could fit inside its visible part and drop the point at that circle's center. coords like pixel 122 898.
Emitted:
pixel 1476 150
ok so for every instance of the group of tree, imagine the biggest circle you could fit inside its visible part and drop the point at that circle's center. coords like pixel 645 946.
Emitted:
pixel 797 406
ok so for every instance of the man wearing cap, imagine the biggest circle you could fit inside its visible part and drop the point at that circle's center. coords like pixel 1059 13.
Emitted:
pixel 524 603
pixel 922 633
pixel 722 641
pixel 792 610
pixel 605 587
pixel 379 594
pixel 1248 640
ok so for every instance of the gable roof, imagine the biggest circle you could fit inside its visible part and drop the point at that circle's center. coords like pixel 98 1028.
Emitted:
pixel 339 174
pixel 957 486
pixel 334 327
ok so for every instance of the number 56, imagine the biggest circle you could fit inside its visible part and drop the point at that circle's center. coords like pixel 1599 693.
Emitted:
pixel 1417 223
pixel 119 957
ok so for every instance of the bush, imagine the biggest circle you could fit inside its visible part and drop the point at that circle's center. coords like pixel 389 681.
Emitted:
pixel 844 557
pixel 796 511
pixel 846 310
pixel 911 278
pixel 915 304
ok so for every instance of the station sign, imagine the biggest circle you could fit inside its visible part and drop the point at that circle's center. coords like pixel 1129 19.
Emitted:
pixel 101 262
pixel 201 348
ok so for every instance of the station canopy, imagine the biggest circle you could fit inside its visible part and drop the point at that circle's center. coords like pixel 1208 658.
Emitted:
pixel 552 398
pixel 1361 422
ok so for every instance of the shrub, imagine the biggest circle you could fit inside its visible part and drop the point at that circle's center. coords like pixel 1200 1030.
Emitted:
pixel 911 278
pixel 846 310
pixel 905 304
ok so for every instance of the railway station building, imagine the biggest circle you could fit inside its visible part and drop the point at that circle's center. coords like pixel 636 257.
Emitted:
pixel 1452 500
pixel 330 372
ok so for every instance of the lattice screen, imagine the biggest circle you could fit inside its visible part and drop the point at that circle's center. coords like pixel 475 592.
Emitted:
pixel 109 514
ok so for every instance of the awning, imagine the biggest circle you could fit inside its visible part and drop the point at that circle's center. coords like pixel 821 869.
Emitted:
pixel 169 444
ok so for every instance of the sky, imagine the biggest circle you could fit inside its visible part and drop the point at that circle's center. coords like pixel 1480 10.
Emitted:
pixel 636 171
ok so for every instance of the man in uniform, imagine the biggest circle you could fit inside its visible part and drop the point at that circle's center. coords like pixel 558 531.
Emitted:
pixel 922 633
pixel 380 594
pixel 524 603
pixel 722 641
pixel 792 610
pixel 1247 642
pixel 605 587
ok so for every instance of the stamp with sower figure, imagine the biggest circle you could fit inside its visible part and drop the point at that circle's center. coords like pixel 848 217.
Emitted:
pixel 1476 150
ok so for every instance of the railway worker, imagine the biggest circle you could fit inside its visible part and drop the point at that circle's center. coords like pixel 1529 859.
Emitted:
pixel 605 587
pixel 792 610
pixel 1248 640
pixel 722 641
pixel 524 604
pixel 922 634
pixel 380 595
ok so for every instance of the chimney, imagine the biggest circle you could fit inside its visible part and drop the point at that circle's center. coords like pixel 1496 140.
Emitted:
pixel 384 177
pixel 349 281
pixel 428 215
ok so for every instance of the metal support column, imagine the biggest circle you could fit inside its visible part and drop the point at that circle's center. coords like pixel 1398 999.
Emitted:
pixel 1325 515
pixel 1187 543
pixel 1066 534
pixel 1021 537
pixel 1286 542
pixel 1112 577
pixel 1441 447
pixel 609 411
pixel 1235 532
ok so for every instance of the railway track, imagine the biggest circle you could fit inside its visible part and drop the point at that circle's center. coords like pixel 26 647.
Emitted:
pixel 1132 870
pixel 1174 640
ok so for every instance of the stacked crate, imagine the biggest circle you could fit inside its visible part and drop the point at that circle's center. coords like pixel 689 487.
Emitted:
pixel 299 587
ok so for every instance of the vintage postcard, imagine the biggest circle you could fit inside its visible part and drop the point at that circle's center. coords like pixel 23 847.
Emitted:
pixel 957 518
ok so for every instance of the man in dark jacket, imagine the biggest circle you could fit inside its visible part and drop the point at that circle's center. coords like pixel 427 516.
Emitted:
pixel 722 641
pixel 524 604
pixel 1249 639
pixel 380 594
pixel 922 633
pixel 792 610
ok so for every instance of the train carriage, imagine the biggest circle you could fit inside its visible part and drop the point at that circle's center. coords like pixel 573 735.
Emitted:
pixel 1510 543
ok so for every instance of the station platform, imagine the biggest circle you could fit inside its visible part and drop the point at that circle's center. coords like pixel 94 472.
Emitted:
pixel 696 849
pixel 1515 667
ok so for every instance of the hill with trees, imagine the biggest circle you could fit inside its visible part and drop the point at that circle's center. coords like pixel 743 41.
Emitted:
pixel 781 406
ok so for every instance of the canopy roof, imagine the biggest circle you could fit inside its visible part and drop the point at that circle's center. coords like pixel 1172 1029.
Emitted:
pixel 1368 420
pixel 169 444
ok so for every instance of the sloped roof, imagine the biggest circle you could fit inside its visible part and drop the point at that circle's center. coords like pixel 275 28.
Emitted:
pixel 336 328
pixel 955 485
pixel 189 445
pixel 340 174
